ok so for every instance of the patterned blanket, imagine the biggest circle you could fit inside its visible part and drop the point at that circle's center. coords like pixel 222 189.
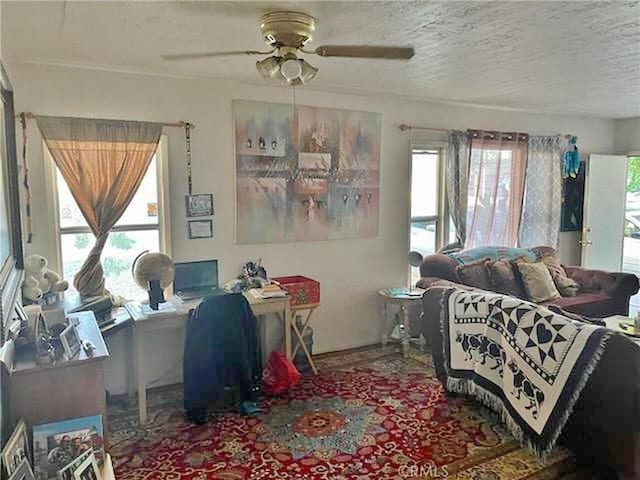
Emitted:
pixel 520 359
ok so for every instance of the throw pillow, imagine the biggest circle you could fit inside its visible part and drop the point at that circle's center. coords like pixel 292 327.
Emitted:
pixel 476 274
pixel 503 279
pixel 537 281
pixel 567 287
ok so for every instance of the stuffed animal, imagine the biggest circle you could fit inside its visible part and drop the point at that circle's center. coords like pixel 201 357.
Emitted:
pixel 39 280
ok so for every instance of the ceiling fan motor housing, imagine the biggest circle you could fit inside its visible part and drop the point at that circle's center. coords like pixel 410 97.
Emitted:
pixel 289 29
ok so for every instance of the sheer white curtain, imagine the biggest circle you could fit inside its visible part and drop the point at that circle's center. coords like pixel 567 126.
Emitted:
pixel 497 169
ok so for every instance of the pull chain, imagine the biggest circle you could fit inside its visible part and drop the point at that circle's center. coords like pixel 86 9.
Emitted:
pixel 187 134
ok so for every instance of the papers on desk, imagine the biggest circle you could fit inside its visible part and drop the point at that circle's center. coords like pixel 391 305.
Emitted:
pixel 269 291
pixel 139 310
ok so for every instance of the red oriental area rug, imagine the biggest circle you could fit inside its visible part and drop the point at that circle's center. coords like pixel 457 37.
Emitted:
pixel 369 414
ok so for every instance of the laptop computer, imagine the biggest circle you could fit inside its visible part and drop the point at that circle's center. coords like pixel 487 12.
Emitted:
pixel 195 279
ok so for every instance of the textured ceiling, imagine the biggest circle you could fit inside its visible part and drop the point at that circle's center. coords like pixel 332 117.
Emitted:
pixel 574 57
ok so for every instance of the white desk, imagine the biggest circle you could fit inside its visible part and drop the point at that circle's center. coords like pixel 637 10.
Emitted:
pixel 142 324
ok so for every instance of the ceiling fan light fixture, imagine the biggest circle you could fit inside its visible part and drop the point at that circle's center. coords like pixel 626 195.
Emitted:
pixel 308 71
pixel 291 69
pixel 296 82
pixel 269 67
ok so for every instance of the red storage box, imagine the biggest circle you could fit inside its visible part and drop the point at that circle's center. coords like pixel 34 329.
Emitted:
pixel 302 290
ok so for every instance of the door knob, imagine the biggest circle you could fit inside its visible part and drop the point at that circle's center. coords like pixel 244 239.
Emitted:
pixel 586 244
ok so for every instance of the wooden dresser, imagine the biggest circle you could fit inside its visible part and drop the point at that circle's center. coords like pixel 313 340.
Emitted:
pixel 67 388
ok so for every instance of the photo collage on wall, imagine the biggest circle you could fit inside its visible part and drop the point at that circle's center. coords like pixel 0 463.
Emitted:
pixel 305 173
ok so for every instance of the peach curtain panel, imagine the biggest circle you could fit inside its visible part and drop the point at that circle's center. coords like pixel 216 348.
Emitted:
pixel 103 163
pixel 498 164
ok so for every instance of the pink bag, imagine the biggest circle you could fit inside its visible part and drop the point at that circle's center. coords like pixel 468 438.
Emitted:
pixel 279 374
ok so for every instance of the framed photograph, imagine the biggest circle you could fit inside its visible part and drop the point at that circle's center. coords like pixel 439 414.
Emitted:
pixel 200 229
pixel 66 473
pixel 88 470
pixel 17 448
pixel 57 444
pixel 70 341
pixel 200 205
pixel 22 315
pixel 23 472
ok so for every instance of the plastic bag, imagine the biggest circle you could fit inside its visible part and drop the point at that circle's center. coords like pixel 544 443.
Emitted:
pixel 279 374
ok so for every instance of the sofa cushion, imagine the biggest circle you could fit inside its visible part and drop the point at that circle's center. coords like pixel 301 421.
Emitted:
pixel 591 304
pixel 567 287
pixel 475 274
pixel 537 281
pixel 503 279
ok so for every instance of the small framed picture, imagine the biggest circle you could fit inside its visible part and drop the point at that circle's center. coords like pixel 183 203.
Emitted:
pixel 22 316
pixel 70 341
pixel 23 472
pixel 200 205
pixel 17 449
pixel 88 470
pixel 58 445
pixel 200 229
pixel 66 473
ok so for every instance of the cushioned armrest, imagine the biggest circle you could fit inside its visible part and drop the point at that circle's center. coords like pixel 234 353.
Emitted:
pixel 614 284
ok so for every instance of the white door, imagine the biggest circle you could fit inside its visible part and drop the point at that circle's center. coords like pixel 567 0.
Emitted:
pixel 604 205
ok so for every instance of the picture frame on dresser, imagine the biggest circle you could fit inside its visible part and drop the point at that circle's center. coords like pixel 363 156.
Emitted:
pixel 88 470
pixel 16 449
pixel 11 248
pixel 70 341
pixel 24 472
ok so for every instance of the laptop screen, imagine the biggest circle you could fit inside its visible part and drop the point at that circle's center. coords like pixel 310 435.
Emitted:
pixel 196 275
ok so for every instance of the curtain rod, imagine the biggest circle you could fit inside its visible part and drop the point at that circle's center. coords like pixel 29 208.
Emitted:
pixel 180 124
pixel 404 127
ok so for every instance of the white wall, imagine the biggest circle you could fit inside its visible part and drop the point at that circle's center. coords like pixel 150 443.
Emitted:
pixel 350 271
pixel 627 135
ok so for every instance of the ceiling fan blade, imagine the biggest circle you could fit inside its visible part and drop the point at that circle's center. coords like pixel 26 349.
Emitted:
pixel 189 56
pixel 365 51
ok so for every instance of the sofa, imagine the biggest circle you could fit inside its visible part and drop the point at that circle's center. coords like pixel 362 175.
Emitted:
pixel 597 294
pixel 604 427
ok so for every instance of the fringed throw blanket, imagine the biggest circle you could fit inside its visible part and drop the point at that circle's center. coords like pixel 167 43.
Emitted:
pixel 519 359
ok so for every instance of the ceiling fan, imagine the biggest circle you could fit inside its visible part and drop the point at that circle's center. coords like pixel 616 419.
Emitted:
pixel 287 34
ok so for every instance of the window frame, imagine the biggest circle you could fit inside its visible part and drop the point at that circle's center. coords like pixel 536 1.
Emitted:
pixel 442 219
pixel 163 226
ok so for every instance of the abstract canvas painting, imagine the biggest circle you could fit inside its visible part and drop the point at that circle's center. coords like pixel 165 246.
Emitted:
pixel 314 173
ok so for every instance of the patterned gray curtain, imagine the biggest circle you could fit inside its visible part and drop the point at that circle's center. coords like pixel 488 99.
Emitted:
pixel 457 181
pixel 540 224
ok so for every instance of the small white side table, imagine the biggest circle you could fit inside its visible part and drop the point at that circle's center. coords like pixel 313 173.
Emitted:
pixel 614 323
pixel 403 297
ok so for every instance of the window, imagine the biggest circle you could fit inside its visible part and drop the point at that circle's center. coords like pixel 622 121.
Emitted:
pixel 141 227
pixel 496 189
pixel 427 230
pixel 631 246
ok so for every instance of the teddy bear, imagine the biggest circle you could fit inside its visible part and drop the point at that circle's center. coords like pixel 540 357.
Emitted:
pixel 39 280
